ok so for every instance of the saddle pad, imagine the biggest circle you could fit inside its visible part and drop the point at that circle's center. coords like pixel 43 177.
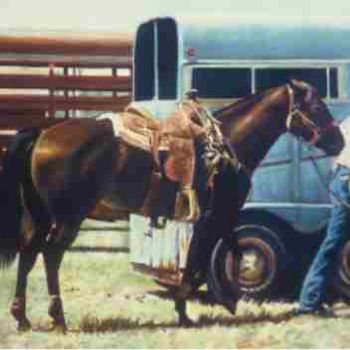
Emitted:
pixel 115 119
pixel 136 139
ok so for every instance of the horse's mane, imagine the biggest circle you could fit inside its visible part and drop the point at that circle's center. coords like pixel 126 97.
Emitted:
pixel 239 107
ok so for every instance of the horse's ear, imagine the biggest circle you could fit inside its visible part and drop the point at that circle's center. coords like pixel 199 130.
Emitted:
pixel 298 89
pixel 300 84
pixel 307 90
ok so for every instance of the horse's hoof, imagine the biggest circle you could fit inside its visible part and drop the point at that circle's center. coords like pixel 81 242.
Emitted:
pixel 230 307
pixel 59 328
pixel 62 329
pixel 186 322
pixel 24 326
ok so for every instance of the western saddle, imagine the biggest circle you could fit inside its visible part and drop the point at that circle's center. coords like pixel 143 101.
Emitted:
pixel 171 142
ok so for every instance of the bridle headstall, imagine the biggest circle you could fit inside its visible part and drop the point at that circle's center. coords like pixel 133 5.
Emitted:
pixel 295 112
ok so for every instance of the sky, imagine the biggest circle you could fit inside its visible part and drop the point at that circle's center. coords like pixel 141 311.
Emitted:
pixel 124 15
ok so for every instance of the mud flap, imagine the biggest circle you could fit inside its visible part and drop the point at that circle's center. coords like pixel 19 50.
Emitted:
pixel 223 275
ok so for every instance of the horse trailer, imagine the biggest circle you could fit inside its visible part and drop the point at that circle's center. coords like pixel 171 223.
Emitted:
pixel 226 59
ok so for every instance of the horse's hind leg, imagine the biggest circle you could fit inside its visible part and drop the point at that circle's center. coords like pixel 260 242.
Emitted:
pixel 27 260
pixel 53 256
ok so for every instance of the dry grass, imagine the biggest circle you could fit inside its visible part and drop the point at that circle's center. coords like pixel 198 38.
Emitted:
pixel 107 305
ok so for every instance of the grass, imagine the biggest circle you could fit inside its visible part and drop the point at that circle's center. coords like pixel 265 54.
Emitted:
pixel 107 305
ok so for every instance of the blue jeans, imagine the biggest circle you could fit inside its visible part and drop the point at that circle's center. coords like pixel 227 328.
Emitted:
pixel 323 266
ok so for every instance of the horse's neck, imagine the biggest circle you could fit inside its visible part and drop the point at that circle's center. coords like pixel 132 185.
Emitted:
pixel 253 132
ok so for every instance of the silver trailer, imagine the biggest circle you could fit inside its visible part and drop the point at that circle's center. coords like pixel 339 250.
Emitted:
pixel 226 59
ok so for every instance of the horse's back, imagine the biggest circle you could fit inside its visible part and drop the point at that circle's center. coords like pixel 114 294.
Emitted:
pixel 71 134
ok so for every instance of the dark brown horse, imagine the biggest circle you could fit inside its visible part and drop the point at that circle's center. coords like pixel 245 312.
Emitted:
pixel 53 180
pixel 74 169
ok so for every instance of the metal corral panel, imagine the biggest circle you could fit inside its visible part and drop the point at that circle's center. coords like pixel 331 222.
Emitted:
pixel 160 252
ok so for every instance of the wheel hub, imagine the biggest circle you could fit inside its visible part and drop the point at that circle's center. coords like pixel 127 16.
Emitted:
pixel 252 266
pixel 258 264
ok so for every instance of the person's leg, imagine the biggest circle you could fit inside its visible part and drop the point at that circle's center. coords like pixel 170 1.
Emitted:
pixel 323 265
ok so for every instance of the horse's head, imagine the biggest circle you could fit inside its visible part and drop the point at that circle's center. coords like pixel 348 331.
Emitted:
pixel 309 118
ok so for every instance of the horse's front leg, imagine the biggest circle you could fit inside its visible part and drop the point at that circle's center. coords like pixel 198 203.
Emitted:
pixel 53 256
pixel 181 295
pixel 27 260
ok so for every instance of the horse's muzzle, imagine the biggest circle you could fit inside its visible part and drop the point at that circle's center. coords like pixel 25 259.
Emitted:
pixel 331 142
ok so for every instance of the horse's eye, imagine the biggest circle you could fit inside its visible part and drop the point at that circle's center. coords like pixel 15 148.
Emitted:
pixel 316 107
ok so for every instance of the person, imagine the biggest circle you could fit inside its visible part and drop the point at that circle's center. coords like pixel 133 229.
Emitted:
pixel 319 275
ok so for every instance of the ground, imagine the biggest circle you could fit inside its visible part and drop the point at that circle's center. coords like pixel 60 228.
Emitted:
pixel 108 305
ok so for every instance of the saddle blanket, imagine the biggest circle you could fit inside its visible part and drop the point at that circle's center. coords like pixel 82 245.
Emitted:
pixel 116 120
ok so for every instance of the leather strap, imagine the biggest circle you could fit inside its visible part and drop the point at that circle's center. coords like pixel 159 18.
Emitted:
pixel 152 194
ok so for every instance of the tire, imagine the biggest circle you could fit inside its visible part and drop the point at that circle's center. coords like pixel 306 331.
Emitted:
pixel 262 241
pixel 222 283
pixel 263 261
pixel 341 283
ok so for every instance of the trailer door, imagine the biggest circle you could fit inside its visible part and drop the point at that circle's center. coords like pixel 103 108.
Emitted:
pixel 144 67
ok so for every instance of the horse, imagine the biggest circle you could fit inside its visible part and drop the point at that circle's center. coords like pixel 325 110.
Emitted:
pixel 60 176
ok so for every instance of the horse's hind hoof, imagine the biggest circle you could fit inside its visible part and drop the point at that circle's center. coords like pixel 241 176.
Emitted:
pixel 186 322
pixel 58 328
pixel 24 326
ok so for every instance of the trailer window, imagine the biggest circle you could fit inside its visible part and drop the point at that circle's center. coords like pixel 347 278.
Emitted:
pixel 222 82
pixel 144 63
pixel 271 77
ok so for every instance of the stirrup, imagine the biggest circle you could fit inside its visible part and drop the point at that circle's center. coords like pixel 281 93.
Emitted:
pixel 186 203
pixel 158 222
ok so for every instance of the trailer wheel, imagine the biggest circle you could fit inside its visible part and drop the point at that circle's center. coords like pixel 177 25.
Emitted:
pixel 263 265
pixel 263 261
pixel 221 280
pixel 341 282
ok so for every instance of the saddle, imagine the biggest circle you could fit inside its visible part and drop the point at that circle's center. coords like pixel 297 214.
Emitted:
pixel 171 142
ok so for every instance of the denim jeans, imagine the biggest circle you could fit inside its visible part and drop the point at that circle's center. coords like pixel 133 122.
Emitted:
pixel 323 266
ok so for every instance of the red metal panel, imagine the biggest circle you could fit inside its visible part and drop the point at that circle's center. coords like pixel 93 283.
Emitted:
pixel 108 44
pixel 88 51
pixel 67 61
pixel 62 103
pixel 22 113
pixel 97 83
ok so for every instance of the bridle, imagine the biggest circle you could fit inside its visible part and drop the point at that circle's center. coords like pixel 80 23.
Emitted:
pixel 216 149
pixel 295 112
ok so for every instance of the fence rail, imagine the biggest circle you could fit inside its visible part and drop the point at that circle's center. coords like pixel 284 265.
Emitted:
pixel 62 103
pixel 63 82
pixel 73 44
pixel 66 61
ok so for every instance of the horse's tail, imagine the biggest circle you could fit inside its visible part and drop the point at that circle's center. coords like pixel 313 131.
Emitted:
pixel 11 203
